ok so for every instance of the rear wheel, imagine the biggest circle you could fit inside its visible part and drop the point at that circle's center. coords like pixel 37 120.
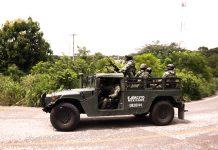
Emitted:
pixel 162 113
pixel 65 117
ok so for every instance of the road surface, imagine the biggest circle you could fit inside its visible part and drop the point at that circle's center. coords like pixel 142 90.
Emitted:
pixel 30 128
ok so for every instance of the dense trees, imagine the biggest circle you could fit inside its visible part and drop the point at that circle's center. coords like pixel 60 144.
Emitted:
pixel 211 57
pixel 194 67
pixel 22 44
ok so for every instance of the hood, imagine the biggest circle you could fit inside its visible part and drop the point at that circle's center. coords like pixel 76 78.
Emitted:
pixel 71 92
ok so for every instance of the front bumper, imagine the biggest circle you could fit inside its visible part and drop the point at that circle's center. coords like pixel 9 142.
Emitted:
pixel 45 103
pixel 42 100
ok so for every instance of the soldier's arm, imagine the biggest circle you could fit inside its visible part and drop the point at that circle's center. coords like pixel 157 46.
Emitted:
pixel 138 74
pixel 146 75
pixel 126 67
pixel 116 92
pixel 165 74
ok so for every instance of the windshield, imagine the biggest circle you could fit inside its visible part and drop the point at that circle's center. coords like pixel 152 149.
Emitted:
pixel 89 81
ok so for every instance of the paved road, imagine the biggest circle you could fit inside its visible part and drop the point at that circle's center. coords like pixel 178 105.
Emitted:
pixel 30 128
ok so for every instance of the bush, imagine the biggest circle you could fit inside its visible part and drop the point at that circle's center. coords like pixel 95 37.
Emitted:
pixel 195 87
pixel 11 92
pixel 48 77
pixel 192 61
pixel 151 61
pixel 34 86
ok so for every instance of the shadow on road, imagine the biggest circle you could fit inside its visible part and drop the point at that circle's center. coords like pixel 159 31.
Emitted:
pixel 99 123
pixel 113 122
pixel 179 121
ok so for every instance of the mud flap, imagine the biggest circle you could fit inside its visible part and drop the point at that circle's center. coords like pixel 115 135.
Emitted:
pixel 181 111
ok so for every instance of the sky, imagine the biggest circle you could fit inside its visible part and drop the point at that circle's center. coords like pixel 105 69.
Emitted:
pixel 118 27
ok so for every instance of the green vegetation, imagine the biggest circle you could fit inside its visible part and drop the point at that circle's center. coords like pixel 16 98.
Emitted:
pixel 197 70
pixel 28 69
pixel 22 44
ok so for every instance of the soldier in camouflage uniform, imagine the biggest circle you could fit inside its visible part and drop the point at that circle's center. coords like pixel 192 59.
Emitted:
pixel 129 69
pixel 142 73
pixel 170 73
pixel 149 70
pixel 112 99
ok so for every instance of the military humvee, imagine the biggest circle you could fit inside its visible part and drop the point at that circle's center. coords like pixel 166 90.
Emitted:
pixel 155 97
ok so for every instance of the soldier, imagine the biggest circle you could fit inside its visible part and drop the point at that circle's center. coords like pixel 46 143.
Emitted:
pixel 149 70
pixel 142 73
pixel 112 97
pixel 129 69
pixel 170 73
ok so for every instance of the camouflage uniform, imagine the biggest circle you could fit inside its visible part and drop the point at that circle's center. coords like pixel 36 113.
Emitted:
pixel 111 98
pixel 129 69
pixel 142 74
pixel 170 73
pixel 149 70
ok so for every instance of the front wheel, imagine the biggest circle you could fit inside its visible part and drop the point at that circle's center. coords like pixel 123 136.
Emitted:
pixel 65 117
pixel 162 113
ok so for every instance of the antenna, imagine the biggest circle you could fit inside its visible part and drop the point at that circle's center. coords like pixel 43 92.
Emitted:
pixel 73 35
pixel 182 23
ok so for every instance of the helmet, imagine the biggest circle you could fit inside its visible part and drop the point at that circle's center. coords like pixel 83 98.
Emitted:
pixel 170 67
pixel 149 70
pixel 143 66
pixel 128 57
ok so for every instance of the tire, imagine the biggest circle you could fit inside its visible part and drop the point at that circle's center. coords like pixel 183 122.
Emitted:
pixel 65 117
pixel 162 113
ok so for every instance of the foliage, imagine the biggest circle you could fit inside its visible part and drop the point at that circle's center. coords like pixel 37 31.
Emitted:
pixel 61 73
pixel 85 62
pixel 213 63
pixel 11 92
pixel 22 44
pixel 194 87
pixel 14 72
pixel 195 68
pixel 161 51
pixel 104 66
pixel 192 61
pixel 151 61
pixel 211 57
pixel 34 86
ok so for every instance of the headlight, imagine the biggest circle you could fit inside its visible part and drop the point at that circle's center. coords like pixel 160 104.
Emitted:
pixel 54 98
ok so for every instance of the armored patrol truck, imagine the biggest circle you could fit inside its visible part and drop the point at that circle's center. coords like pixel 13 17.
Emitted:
pixel 155 97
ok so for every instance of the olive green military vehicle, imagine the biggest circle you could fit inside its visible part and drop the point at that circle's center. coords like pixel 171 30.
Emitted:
pixel 155 97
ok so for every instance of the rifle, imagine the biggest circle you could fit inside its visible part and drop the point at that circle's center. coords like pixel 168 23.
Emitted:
pixel 113 65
